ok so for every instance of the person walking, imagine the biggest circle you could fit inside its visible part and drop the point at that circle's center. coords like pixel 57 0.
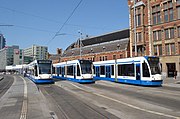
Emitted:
pixel 175 74
pixel 24 73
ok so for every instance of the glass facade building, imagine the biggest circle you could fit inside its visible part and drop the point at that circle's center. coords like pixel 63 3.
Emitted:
pixel 2 41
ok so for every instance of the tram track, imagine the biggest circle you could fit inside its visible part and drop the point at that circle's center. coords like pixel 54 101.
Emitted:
pixel 5 84
pixel 42 88
pixel 78 108
pixel 130 98
pixel 149 97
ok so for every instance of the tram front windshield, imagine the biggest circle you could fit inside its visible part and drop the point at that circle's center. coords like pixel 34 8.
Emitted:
pixel 44 68
pixel 154 65
pixel 86 66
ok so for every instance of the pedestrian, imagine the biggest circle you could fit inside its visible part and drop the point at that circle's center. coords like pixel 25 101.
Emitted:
pixel 24 73
pixel 175 74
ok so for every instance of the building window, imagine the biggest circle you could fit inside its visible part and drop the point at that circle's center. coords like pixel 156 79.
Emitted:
pixel 171 15
pixel 138 17
pixel 158 17
pixel 154 36
pixel 155 50
pixel 165 5
pixel 179 48
pixel 178 2
pixel 156 14
pixel 154 18
pixel 179 31
pixel 169 33
pixel 172 48
pixel 138 20
pixel 160 50
pixel 121 55
pixel 114 56
pixel 105 57
pixel 166 34
pixel 178 12
pixel 165 16
pixel 139 37
pixel 168 11
pixel 170 4
pixel 167 49
pixel 157 35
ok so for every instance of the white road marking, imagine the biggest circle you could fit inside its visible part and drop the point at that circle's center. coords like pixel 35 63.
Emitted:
pixel 25 103
pixel 129 105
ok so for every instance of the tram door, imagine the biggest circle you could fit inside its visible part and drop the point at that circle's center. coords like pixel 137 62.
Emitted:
pixel 138 72
pixel 74 71
pixel 108 72
pixel 62 69
pixel 97 71
pixel 58 70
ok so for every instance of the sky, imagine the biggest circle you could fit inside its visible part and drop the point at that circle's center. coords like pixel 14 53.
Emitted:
pixel 57 23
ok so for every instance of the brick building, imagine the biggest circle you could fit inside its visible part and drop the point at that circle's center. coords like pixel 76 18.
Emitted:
pixel 157 31
pixel 104 47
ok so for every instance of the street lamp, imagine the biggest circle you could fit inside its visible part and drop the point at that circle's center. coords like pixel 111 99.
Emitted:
pixel 135 43
pixel 80 37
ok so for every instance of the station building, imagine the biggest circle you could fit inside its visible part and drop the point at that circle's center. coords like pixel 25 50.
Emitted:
pixel 10 55
pixel 99 48
pixel 156 25
pixel 157 29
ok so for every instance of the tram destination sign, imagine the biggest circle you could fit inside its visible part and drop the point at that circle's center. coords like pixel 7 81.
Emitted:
pixel 153 59
pixel 44 61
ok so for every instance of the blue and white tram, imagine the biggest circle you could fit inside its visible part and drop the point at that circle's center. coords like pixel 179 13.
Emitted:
pixel 40 71
pixel 76 70
pixel 138 70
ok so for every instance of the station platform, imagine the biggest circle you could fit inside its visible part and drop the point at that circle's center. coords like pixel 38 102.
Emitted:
pixel 23 100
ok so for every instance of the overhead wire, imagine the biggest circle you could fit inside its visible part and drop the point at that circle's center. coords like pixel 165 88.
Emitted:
pixel 28 14
pixel 65 21
pixel 47 19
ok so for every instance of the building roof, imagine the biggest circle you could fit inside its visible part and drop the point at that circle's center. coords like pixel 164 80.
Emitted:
pixel 116 45
pixel 106 37
pixel 122 34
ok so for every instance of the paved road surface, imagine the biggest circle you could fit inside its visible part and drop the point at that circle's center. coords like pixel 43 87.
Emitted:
pixel 21 99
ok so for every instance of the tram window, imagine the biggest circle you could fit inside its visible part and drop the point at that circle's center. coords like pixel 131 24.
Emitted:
pixel 120 70
pixel 112 69
pixel 78 71
pixel 145 70
pixel 126 70
pixel 69 70
pixel 102 70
